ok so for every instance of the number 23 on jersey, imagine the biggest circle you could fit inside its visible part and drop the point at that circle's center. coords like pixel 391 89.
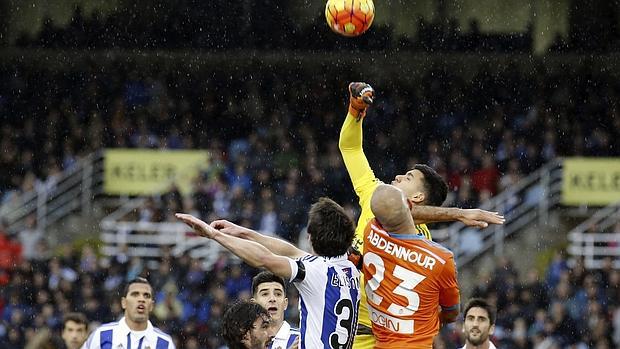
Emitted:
pixel 387 313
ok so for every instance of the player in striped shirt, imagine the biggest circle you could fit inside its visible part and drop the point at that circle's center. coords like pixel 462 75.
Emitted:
pixel 269 290
pixel 328 283
pixel 133 330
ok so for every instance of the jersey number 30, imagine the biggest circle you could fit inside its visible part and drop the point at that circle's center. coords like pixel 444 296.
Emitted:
pixel 345 311
pixel 409 280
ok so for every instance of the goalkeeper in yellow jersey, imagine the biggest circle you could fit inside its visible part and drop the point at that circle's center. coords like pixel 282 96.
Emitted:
pixel 422 185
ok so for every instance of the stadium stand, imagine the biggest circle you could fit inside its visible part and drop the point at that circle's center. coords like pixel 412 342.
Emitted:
pixel 485 130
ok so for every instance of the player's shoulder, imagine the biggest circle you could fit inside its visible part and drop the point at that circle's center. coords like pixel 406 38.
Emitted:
pixel 294 331
pixel 107 326
pixel 341 262
pixel 105 330
pixel 162 334
pixel 309 258
pixel 437 248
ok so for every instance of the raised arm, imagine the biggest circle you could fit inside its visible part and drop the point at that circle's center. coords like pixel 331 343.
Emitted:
pixel 350 144
pixel 470 217
pixel 275 245
pixel 252 253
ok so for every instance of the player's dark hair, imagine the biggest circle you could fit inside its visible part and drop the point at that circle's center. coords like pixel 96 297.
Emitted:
pixel 138 280
pixel 266 276
pixel 331 230
pixel 238 320
pixel 78 318
pixel 434 185
pixel 481 303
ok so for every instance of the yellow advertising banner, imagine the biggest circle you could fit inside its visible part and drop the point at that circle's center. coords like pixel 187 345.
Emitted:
pixel 591 181
pixel 146 172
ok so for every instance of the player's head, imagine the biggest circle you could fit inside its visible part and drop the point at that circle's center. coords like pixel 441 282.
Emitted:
pixel 269 291
pixel 330 229
pixel 422 185
pixel 137 300
pixel 391 208
pixel 246 325
pixel 479 321
pixel 74 330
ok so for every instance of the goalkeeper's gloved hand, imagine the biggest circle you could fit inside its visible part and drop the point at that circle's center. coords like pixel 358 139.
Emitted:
pixel 355 256
pixel 361 96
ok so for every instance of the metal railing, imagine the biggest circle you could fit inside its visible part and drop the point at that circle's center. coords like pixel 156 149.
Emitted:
pixel 73 191
pixel 523 204
pixel 120 232
pixel 526 203
pixel 588 240
pixel 147 240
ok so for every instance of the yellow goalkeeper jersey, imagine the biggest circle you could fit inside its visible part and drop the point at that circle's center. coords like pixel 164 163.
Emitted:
pixel 364 183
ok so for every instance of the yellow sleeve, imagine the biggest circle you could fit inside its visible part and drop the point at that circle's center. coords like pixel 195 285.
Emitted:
pixel 350 144
pixel 362 176
pixel 422 230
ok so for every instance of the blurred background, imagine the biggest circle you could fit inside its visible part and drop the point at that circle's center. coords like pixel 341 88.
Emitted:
pixel 114 115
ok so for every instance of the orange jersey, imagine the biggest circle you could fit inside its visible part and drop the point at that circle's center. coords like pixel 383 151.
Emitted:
pixel 407 279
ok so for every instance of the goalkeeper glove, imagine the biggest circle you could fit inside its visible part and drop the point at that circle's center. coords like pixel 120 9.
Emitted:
pixel 355 256
pixel 361 96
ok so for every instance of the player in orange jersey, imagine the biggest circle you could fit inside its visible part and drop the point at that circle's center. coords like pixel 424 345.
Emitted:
pixel 411 281
pixel 422 185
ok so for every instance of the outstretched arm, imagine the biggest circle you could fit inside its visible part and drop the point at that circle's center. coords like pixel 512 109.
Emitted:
pixel 470 217
pixel 251 252
pixel 350 142
pixel 275 245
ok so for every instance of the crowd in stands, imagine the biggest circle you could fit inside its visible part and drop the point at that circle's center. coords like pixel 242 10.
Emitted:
pixel 221 25
pixel 273 138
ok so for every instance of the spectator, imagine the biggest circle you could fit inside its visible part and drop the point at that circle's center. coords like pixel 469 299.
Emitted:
pixel 169 308
pixel 238 283
pixel 10 253
pixel 30 236
pixel 487 177
pixel 269 220
pixel 74 330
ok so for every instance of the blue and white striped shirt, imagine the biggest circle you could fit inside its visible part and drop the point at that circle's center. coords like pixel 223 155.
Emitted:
pixel 117 335
pixel 329 301
pixel 285 337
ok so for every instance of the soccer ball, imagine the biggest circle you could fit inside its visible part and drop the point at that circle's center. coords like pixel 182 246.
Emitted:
pixel 349 17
